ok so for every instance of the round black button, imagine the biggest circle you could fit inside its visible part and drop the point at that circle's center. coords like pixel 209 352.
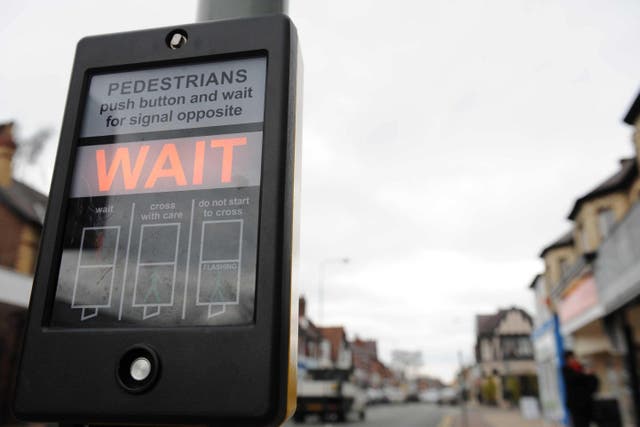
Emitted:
pixel 138 369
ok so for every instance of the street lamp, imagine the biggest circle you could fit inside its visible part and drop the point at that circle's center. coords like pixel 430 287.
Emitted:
pixel 322 271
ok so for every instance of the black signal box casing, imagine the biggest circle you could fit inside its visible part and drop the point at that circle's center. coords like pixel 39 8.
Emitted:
pixel 218 375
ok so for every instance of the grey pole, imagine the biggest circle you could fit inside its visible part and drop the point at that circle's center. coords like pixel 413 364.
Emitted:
pixel 210 10
pixel 463 388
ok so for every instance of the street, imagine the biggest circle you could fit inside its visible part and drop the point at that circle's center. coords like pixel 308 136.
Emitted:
pixel 400 415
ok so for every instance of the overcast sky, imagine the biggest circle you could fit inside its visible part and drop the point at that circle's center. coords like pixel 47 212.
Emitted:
pixel 443 142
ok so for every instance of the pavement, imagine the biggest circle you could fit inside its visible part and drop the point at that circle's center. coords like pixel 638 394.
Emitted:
pixel 393 415
pixel 482 416
pixel 429 415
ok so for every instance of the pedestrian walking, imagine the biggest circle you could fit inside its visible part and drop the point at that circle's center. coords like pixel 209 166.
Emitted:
pixel 580 387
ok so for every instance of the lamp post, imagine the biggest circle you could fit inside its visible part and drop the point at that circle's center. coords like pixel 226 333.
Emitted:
pixel 226 9
pixel 322 272
pixel 463 391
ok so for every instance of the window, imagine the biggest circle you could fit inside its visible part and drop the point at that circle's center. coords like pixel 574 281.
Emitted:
pixel 564 266
pixel 606 221
pixel 518 347
pixel 486 350
pixel 582 238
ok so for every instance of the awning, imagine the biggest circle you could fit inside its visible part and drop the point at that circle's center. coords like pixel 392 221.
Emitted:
pixel 617 269
pixel 580 305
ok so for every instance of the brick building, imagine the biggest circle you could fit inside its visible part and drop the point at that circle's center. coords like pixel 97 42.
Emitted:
pixel 21 217
pixel 313 348
pixel 340 348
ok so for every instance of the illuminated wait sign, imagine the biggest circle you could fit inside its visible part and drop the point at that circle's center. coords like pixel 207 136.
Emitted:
pixel 202 162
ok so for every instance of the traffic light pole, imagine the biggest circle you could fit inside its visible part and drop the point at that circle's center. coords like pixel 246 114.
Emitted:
pixel 213 10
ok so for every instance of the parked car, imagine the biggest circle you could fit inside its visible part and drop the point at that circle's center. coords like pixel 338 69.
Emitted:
pixel 376 396
pixel 448 396
pixel 394 394
pixel 430 396
pixel 412 397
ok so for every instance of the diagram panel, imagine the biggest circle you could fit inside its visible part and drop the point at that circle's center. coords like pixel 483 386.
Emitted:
pixel 155 280
pixel 95 273
pixel 219 269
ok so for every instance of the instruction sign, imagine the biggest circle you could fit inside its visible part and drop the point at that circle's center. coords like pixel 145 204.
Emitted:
pixel 162 220
pixel 179 97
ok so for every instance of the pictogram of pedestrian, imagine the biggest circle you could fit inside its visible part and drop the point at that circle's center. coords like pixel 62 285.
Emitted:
pixel 155 278
pixel 219 272
pixel 153 289
pixel 217 290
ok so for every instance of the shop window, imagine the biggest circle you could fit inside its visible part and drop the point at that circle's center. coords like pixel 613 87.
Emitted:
pixel 606 221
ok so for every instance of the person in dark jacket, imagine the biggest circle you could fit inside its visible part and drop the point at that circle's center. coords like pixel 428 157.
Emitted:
pixel 580 387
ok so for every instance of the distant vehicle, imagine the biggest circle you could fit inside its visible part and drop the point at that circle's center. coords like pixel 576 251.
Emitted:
pixel 448 396
pixel 329 394
pixel 412 397
pixel 430 396
pixel 394 394
pixel 376 396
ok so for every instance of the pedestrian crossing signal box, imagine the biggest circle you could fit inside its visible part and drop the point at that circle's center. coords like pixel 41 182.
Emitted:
pixel 163 293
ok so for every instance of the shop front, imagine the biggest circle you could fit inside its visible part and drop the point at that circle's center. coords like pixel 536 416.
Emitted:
pixel 548 348
pixel 617 273
pixel 548 351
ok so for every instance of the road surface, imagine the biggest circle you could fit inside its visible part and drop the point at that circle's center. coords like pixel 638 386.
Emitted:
pixel 398 415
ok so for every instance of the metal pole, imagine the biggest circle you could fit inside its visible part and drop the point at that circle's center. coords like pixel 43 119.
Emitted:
pixel 463 386
pixel 213 10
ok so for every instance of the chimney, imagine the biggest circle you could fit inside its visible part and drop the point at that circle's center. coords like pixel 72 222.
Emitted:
pixel 7 149
pixel 302 306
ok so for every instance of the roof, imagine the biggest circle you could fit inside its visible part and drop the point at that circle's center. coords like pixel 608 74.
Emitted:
pixel 381 369
pixel 565 240
pixel 26 202
pixel 6 135
pixel 618 181
pixel 369 346
pixel 533 283
pixel 634 112
pixel 487 323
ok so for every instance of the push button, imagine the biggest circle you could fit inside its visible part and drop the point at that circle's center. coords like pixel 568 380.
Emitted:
pixel 138 369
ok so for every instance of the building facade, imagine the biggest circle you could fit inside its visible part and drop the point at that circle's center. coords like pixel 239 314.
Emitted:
pixel 549 351
pixel 504 357
pixel 365 356
pixel 340 355
pixel 592 285
pixel 22 212
pixel 313 348
pixel 575 269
